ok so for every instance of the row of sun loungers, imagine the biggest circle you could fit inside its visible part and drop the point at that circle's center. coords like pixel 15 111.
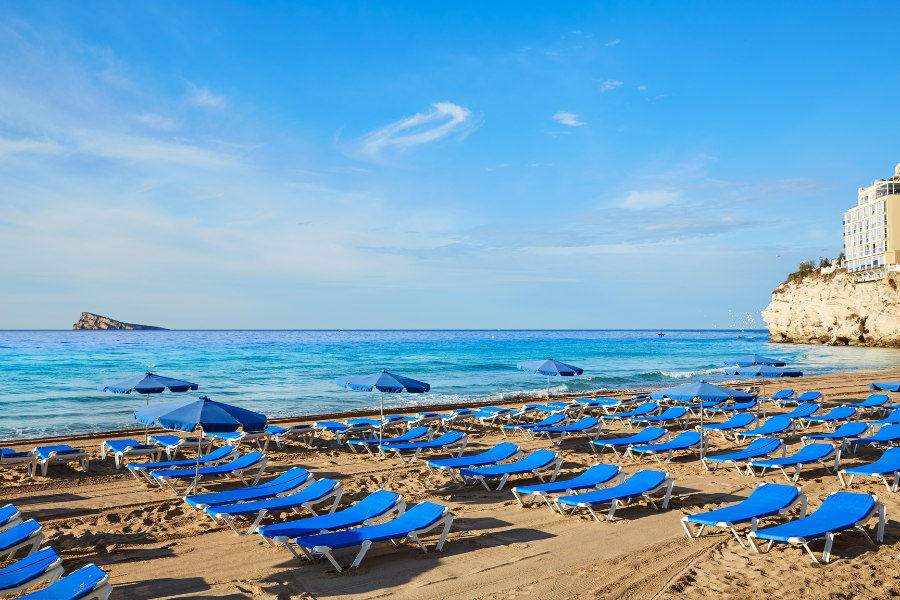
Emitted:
pixel 42 565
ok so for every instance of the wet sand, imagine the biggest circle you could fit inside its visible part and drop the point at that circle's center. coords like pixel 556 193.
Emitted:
pixel 154 545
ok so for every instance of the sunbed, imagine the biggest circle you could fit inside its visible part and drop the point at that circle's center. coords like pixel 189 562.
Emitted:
pixel 804 397
pixel 885 438
pixel 527 428
pixel 694 409
pixel 173 443
pixel 30 533
pixel 424 419
pixel 734 408
pixel 87 583
pixel 772 426
pixel 534 464
pixel 219 455
pixel 670 417
pixel 686 440
pixel 874 402
pixel 840 511
pixel 730 426
pixel 379 426
pixel 444 443
pixel 308 497
pixel 48 455
pixel 640 485
pixel 841 434
pixel 417 521
pixel 499 453
pixel 413 435
pixel 41 566
pixel 803 410
pixel 342 431
pixel 11 458
pixel 304 432
pixel 290 481
pixel 767 500
pixel 458 417
pixel 370 509
pixel 780 395
pixel 757 449
pixel 884 467
pixel 592 478
pixel 236 438
pixel 489 418
pixel 252 461
pixel 589 426
pixel 644 436
pixel 892 418
pixel 9 517
pixel 643 410
pixel 125 449
pixel 813 453
pixel 607 405
pixel 841 413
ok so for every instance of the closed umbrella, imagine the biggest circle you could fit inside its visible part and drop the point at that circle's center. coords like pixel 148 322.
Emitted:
pixel 383 382
pixel 754 359
pixel 703 391
pixel 207 415
pixel 147 383
pixel 550 368
pixel 763 371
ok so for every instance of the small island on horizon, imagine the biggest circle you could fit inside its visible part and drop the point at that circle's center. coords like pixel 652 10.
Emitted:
pixel 96 322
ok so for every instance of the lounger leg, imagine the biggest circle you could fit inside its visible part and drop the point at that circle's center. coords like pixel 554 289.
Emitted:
pixel 841 479
pixel 669 487
pixel 753 545
pixel 337 499
pixel 737 537
pixel 444 533
pixel 882 517
pixel 826 555
pixel 797 473
pixel 896 481
pixel 612 510
pixel 362 553
pixel 518 497
pixel 687 529
pixel 547 500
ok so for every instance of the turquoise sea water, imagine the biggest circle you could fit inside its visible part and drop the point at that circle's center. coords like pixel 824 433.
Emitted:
pixel 49 378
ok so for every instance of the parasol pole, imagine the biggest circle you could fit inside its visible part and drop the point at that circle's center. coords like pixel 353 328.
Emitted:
pixel 548 389
pixel 381 426
pixel 147 427
pixel 196 484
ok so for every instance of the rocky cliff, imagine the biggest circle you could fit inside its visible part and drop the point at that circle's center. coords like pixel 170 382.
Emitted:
pixel 92 321
pixel 833 309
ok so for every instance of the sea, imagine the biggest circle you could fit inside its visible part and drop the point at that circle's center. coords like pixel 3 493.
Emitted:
pixel 50 378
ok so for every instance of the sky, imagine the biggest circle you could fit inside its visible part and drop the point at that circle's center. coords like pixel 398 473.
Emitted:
pixel 290 165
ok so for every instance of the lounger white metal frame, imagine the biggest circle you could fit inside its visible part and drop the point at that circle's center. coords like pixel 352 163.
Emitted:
pixel 336 493
pixel 667 484
pixel 61 459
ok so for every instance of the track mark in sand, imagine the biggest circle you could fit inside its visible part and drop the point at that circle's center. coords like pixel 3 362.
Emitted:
pixel 509 562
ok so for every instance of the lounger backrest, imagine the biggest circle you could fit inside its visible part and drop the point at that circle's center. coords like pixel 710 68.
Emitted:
pixel 641 481
pixel 777 424
pixel 685 438
pixel 841 412
pixel 673 413
pixel 812 452
pixel 878 398
pixel 803 410
pixel 783 394
pixel 846 507
pixel 763 444
pixel 551 420
pixel 599 472
pixel 376 503
pixel 74 585
pixel 242 462
pixel 648 434
pixel 809 396
pixel 645 407
pixel 850 429
pixel 888 432
pixel 774 494
pixel 289 477
pixel 585 423
pixel 20 532
pixel 499 452
pixel 448 438
pixel 740 420
pixel 536 459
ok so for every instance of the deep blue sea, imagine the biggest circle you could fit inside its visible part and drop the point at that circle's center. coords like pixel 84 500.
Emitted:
pixel 49 378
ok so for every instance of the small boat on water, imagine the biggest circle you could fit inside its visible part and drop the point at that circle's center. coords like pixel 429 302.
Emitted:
pixel 661 334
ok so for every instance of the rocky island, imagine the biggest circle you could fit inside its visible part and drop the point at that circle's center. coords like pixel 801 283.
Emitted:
pixel 92 321
pixel 835 308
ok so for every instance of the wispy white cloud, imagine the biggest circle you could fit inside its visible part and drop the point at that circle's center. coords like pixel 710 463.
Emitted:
pixel 157 122
pixel 442 121
pixel 612 43
pixel 29 146
pixel 610 84
pixel 204 97
pixel 577 32
pixel 642 87
pixel 650 198
pixel 567 118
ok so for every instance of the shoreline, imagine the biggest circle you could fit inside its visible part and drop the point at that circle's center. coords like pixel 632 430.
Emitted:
pixel 513 400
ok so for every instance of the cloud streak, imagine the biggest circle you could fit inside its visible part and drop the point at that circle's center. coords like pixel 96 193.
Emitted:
pixel 443 120
pixel 567 118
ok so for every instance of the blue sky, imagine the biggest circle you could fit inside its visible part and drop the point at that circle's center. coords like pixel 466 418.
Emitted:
pixel 410 165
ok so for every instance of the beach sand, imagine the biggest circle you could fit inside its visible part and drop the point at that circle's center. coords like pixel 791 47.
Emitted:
pixel 154 545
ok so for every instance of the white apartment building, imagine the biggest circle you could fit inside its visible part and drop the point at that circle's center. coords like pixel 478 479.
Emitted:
pixel 872 230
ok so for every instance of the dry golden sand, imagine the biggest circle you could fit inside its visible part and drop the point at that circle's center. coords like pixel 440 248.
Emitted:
pixel 155 546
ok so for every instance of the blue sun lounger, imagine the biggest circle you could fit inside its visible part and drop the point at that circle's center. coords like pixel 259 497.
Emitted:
pixel 305 432
pixel 594 477
pixel 415 522
pixel 805 397
pixel 30 533
pixel 892 418
pixel 499 453
pixel 767 500
pixel 9 517
pixel 493 415
pixel 413 435
pixel 772 426
pixel 841 434
pixel 781 395
pixel 460 416
pixel 644 436
pixel 730 426
pixel 686 440
pixel 87 583
pixel 252 461
pixel 643 410
pixel 589 426
pixel 694 409
pixel 342 431
pixel 48 455
pixel 125 449
pixel 533 464
pixel 527 428
pixel 840 511
pixel 11 458
pixel 759 448
pixel 607 405
pixel 219 455
pixel 173 443
pixel 236 438
pixel 807 409
pixel 874 402
pixel 841 413
pixel 670 417
pixel 885 438
pixel 444 443
pixel 734 408
pixel 813 453
pixel 642 484
pixel 370 509
pixel 884 467
pixel 306 498
pixel 43 565
pixel 290 481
